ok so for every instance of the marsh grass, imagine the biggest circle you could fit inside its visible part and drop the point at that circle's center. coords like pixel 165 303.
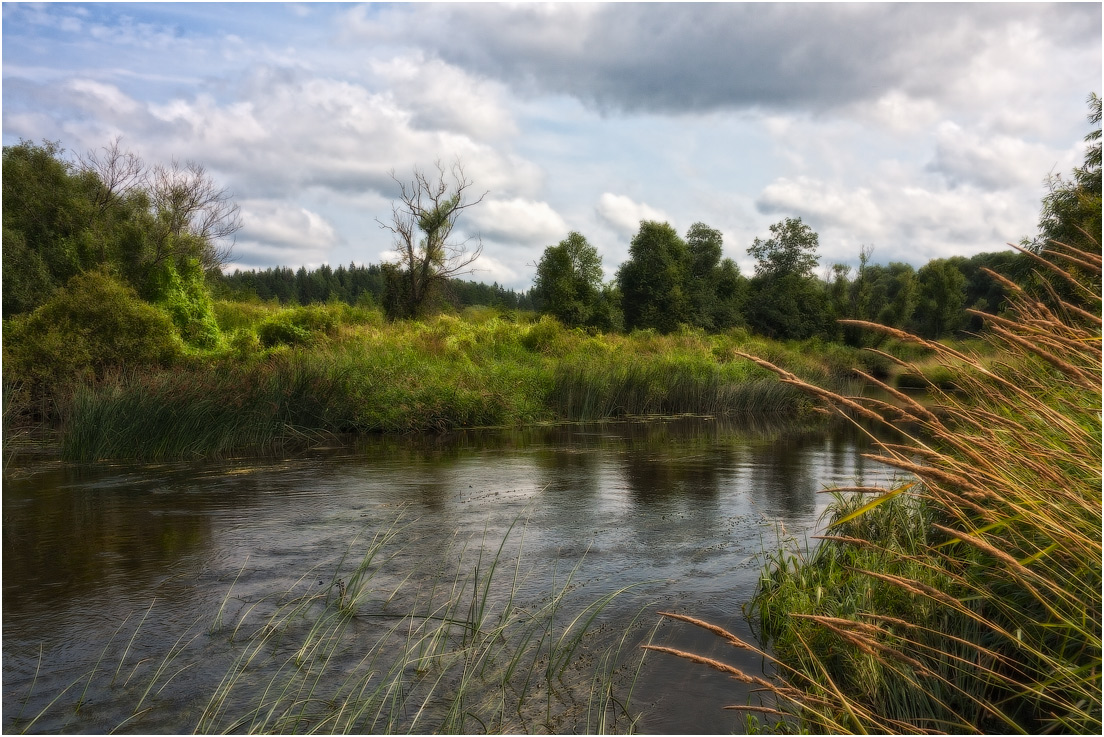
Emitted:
pixel 445 373
pixel 459 650
pixel 970 600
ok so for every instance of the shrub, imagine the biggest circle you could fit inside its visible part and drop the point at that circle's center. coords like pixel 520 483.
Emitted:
pixel 182 291
pixel 92 326
pixel 298 326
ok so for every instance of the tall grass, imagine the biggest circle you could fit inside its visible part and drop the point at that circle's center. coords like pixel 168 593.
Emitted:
pixel 360 376
pixel 969 599
pixel 458 651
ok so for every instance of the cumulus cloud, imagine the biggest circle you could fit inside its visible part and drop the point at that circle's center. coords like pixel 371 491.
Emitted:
pixel 282 232
pixel 624 214
pixel 519 221
pixel 905 222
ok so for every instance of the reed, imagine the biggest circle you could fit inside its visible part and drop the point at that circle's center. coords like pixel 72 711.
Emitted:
pixel 967 600
pixel 357 376
pixel 460 650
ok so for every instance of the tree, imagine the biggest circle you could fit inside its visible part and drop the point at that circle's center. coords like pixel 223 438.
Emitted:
pixel 791 249
pixel 705 245
pixel 422 222
pixel 653 282
pixel 195 218
pixel 787 301
pixel 569 281
pixel 942 298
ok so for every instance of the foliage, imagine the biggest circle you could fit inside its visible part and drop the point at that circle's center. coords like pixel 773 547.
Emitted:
pixel 108 211
pixel 182 291
pixel 941 298
pixel 90 328
pixel 1071 209
pixel 568 283
pixel 654 281
pixel 791 249
pixel 787 306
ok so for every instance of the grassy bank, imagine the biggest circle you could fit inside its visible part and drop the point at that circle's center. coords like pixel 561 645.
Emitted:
pixel 968 597
pixel 285 377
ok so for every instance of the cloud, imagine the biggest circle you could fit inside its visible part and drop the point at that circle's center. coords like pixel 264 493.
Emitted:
pixel 439 96
pixel 519 221
pixel 677 58
pixel 991 161
pixel 624 214
pixel 282 232
pixel 905 222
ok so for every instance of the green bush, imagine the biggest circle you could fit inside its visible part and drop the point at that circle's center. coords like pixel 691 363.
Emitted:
pixel 182 291
pixel 92 326
pixel 298 326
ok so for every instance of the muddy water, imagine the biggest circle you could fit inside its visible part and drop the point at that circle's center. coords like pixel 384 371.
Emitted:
pixel 680 509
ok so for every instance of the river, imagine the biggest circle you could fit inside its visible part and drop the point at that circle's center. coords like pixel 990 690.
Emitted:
pixel 108 568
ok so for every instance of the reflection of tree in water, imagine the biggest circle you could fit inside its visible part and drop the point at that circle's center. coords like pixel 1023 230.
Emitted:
pixel 654 477
pixel 69 543
pixel 782 479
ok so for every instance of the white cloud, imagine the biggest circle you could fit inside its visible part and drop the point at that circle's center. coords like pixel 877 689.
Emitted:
pixel 519 221
pixel 441 96
pixel 991 161
pixel 285 224
pixel 624 214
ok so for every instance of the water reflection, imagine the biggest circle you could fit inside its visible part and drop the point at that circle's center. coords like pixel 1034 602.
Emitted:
pixel 679 507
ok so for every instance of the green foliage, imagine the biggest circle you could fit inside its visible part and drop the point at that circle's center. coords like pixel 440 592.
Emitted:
pixel 791 249
pixel 941 298
pixel 182 291
pixel 297 326
pixel 1071 209
pixel 787 306
pixel 654 281
pixel 568 284
pixel 93 326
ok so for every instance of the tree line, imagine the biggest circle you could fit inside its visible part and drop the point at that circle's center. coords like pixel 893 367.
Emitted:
pixel 671 281
pixel 165 231
pixel 355 284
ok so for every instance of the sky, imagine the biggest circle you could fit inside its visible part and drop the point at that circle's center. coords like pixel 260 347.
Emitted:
pixel 918 130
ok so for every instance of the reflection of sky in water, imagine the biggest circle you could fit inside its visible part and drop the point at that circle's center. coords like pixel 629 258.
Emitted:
pixel 683 509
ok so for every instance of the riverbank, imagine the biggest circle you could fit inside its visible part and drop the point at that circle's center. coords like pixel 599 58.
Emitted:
pixel 287 377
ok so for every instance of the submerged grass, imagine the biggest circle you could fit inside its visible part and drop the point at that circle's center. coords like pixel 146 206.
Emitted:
pixel 967 600
pixel 458 651
pixel 446 373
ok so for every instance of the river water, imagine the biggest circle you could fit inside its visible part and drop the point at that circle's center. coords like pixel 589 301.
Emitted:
pixel 106 567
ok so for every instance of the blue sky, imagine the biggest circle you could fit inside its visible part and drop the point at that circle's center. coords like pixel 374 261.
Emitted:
pixel 922 130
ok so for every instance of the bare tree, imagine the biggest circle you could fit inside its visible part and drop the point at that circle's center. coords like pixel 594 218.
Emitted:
pixel 422 222
pixel 121 173
pixel 185 201
pixel 191 214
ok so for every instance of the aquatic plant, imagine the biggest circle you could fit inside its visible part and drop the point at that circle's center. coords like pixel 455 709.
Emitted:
pixel 968 600
pixel 457 650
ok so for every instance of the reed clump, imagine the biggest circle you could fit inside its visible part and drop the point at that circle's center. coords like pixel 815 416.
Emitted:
pixel 967 599
pixel 285 378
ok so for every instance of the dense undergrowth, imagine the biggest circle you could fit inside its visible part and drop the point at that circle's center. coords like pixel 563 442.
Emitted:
pixel 968 597
pixel 280 377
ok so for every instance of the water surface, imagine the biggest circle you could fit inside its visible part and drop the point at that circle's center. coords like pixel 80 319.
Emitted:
pixel 681 508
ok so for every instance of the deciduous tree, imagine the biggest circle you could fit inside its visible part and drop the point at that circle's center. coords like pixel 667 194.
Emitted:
pixel 422 221
pixel 653 282
pixel 568 283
